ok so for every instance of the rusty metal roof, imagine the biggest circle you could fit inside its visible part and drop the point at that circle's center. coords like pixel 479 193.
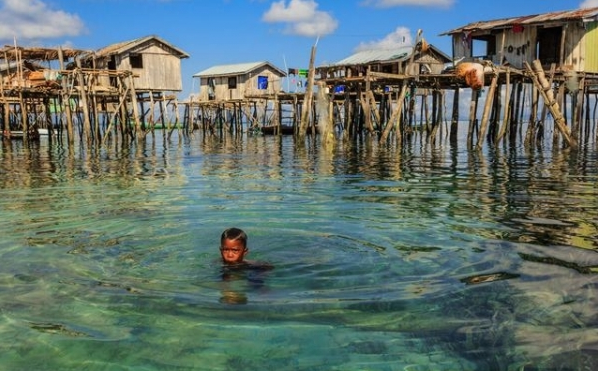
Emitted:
pixel 585 15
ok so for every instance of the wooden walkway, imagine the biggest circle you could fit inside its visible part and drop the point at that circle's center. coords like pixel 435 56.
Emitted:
pixel 386 105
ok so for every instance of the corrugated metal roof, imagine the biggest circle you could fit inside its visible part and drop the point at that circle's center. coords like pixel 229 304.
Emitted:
pixel 235 69
pixel 586 15
pixel 123 46
pixel 375 55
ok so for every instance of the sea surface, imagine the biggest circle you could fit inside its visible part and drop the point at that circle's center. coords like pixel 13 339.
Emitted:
pixel 399 256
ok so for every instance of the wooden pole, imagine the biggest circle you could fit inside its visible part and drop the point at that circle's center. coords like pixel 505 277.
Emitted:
pixel 539 79
pixel 486 113
pixel 83 96
pixel 24 116
pixel 6 107
pixel 395 117
pixel 455 117
pixel 472 116
pixel 307 103
pixel 578 116
pixel 531 128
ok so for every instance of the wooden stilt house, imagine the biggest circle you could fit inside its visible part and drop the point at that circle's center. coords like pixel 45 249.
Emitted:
pixel 155 63
pixel 239 81
pixel 401 61
pixel 568 39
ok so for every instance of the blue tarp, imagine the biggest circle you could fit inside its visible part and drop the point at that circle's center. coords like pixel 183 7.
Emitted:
pixel 262 82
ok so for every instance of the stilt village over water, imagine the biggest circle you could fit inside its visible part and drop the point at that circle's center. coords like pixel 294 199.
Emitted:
pixel 538 72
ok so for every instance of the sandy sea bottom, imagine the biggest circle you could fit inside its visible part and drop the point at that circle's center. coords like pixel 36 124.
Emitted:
pixel 417 257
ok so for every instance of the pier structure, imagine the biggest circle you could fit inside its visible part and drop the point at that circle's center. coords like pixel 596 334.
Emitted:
pixel 535 73
pixel 383 104
pixel 538 72
pixel 70 100
pixel 120 92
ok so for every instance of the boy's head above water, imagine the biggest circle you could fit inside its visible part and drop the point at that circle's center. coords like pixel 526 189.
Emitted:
pixel 233 246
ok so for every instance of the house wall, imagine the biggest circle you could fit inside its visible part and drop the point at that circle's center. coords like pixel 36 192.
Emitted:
pixel 425 64
pixel 575 46
pixel 161 70
pixel 247 85
pixel 512 47
pixel 517 48
pixel 520 47
pixel 590 45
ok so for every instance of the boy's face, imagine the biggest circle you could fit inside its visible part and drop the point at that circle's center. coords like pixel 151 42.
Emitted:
pixel 232 251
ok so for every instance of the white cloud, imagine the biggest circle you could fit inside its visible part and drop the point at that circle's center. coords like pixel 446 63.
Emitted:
pixel 400 37
pixel 301 18
pixel 33 19
pixel 391 3
pixel 589 4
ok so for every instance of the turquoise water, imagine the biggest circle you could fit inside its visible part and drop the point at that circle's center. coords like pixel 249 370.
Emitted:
pixel 425 257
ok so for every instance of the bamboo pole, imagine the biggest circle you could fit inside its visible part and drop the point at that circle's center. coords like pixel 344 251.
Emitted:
pixel 83 96
pixel 395 116
pixel 539 79
pixel 560 97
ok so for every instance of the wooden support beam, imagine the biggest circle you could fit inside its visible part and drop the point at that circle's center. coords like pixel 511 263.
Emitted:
pixel 539 79
pixel 306 109
pixel 395 117
pixel 486 113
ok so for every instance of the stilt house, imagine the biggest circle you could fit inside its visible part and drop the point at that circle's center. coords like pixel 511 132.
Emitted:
pixel 239 81
pixel 406 60
pixel 36 68
pixel 155 64
pixel 568 39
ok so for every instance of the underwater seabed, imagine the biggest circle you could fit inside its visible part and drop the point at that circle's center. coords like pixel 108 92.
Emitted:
pixel 516 322
pixel 411 258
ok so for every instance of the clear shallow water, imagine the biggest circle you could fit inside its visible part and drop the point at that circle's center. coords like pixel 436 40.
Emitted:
pixel 420 258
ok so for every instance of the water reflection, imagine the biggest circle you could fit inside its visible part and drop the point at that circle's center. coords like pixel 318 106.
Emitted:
pixel 237 282
pixel 413 256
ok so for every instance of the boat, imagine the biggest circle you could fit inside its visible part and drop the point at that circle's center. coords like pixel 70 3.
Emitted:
pixel 19 134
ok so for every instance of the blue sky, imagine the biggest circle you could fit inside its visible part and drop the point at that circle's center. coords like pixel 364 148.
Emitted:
pixel 282 32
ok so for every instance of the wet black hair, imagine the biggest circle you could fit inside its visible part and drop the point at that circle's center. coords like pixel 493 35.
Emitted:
pixel 234 234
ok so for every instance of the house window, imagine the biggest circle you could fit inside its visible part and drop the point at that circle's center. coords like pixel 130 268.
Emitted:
pixel 262 82
pixel 484 47
pixel 112 66
pixel 232 82
pixel 548 46
pixel 211 88
pixel 136 60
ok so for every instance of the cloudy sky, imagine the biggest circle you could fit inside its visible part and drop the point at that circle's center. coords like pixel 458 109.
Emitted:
pixel 237 31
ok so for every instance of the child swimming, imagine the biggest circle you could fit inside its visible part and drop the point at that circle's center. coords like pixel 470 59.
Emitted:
pixel 233 248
